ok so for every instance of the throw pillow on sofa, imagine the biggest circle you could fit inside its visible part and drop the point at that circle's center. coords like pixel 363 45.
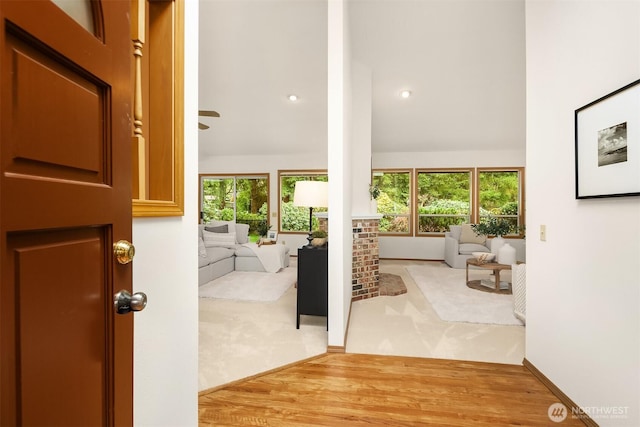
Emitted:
pixel 242 233
pixel 468 235
pixel 218 229
pixel 219 239
pixel 241 230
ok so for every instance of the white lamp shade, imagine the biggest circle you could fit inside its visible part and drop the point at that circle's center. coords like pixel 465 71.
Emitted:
pixel 311 194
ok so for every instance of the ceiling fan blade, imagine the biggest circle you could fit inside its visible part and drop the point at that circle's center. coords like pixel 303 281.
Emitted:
pixel 202 126
pixel 208 113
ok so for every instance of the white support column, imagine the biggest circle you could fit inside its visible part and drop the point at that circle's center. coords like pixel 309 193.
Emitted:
pixel 361 139
pixel 339 167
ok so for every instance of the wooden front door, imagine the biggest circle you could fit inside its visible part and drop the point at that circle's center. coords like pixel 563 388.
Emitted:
pixel 65 196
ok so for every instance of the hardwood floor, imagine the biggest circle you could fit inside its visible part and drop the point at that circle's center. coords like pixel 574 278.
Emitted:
pixel 355 389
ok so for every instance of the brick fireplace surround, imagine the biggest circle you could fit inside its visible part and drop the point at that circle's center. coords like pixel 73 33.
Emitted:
pixel 365 274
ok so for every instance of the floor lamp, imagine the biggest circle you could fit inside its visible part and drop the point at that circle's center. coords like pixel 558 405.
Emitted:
pixel 311 194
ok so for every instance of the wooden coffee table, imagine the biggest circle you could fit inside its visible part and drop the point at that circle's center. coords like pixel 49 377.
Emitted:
pixel 496 268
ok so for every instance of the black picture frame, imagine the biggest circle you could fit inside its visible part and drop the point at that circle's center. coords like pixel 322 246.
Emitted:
pixel 607 145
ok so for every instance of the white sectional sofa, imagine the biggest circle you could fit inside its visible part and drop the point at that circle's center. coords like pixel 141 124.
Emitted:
pixel 223 248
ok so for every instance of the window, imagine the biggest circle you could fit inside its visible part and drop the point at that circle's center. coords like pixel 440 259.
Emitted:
pixel 296 218
pixel 500 194
pixel 443 199
pixel 243 199
pixel 394 201
pixel 454 196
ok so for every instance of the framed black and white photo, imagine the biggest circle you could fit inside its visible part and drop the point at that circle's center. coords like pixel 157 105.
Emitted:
pixel 272 235
pixel 607 133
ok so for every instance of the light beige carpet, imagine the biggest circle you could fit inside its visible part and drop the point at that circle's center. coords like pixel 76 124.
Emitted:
pixel 407 325
pixel 250 285
pixel 453 301
pixel 239 338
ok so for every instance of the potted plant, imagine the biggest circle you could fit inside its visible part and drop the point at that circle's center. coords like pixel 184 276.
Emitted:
pixel 262 229
pixel 319 238
pixel 497 227
pixel 493 227
pixel 374 192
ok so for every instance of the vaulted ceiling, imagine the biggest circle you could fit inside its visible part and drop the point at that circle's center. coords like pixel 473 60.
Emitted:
pixel 462 60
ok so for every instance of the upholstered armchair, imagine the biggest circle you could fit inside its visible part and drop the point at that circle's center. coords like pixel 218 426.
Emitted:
pixel 459 244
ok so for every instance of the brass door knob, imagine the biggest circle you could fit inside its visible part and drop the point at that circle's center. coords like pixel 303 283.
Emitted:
pixel 124 251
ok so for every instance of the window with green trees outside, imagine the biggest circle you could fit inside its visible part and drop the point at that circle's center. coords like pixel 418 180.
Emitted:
pixel 244 199
pixel 455 196
pixel 443 199
pixel 296 218
pixel 499 195
pixel 394 201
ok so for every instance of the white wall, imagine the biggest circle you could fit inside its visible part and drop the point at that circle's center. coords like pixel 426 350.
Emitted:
pixel 361 139
pixel 450 159
pixel 165 268
pixel 339 168
pixel 583 298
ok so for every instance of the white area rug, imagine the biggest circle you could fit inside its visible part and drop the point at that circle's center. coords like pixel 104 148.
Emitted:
pixel 453 301
pixel 250 285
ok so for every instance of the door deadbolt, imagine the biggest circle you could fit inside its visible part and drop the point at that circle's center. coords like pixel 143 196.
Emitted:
pixel 124 302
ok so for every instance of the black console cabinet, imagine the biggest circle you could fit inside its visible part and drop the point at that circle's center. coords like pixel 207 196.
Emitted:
pixel 313 279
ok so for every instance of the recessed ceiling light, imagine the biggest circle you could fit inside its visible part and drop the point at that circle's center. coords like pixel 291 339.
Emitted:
pixel 405 94
pixel 293 98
